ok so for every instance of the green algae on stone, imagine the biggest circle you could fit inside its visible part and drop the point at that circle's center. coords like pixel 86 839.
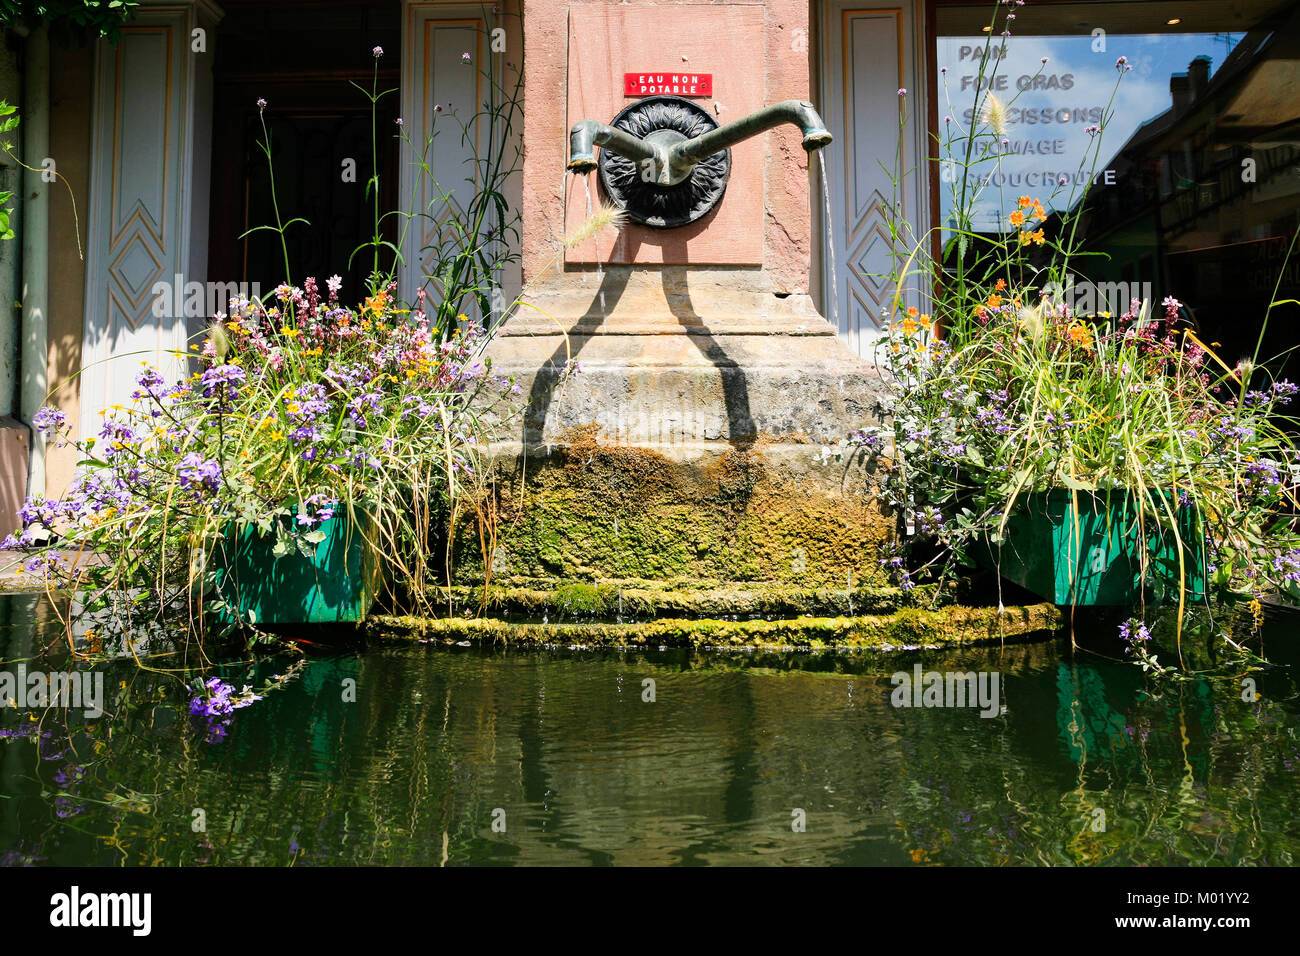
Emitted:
pixel 640 599
pixel 907 628
pixel 593 511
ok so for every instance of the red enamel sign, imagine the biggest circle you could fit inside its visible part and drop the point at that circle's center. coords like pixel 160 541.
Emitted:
pixel 676 84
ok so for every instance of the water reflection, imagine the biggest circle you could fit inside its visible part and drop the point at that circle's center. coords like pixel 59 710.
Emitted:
pixel 588 772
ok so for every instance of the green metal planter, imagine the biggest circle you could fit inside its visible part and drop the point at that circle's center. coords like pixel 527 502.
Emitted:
pixel 337 584
pixel 1085 548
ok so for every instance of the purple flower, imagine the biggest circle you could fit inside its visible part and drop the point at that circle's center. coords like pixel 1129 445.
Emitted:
pixel 48 420
pixel 1288 565
pixel 199 474
pixel 222 381
pixel 1134 632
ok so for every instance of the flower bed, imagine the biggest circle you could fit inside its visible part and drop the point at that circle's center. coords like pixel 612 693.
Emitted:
pixel 302 411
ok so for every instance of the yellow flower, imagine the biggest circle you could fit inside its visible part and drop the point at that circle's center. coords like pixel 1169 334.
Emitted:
pixel 277 435
pixel 290 333
pixel 926 322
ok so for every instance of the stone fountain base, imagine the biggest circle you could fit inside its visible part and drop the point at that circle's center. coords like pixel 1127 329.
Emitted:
pixel 698 441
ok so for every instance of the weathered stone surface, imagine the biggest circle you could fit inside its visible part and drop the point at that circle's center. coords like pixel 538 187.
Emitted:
pixel 698 439
pixel 675 357
pixel 591 510
pixel 907 629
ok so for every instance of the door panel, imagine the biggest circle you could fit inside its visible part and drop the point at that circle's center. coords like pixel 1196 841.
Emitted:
pixel 867 56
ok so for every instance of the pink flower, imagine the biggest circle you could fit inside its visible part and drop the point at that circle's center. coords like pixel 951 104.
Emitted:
pixel 902 92
pixel 261 104
pixel 378 52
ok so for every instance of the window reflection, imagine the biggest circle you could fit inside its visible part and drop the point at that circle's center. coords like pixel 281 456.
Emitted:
pixel 1193 187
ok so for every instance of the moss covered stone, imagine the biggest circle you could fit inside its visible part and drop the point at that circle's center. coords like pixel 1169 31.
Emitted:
pixel 642 599
pixel 905 629
pixel 596 511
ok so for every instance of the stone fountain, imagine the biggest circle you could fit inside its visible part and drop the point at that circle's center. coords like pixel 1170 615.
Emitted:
pixel 698 443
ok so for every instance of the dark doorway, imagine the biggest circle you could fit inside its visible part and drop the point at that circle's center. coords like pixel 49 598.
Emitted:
pixel 303 59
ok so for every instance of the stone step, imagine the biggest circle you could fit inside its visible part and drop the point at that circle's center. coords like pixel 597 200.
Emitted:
pixel 576 601
pixel 907 629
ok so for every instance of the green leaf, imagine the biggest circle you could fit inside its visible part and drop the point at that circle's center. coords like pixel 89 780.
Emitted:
pixel 1077 485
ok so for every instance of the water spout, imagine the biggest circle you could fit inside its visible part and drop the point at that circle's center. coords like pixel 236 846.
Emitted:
pixel 674 157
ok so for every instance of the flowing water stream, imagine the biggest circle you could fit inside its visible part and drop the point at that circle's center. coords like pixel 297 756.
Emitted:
pixel 830 242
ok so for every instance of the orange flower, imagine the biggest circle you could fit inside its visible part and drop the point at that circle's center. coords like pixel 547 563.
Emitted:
pixel 912 311
pixel 1039 237
pixel 909 325
pixel 1000 284
pixel 375 304
pixel 926 322
pixel 1017 218
pixel 995 301
pixel 1025 202
pixel 1078 334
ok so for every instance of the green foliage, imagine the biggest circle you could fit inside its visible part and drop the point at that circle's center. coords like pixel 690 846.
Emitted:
pixel 8 124
pixel 89 17
pixel 302 406
pixel 1008 386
